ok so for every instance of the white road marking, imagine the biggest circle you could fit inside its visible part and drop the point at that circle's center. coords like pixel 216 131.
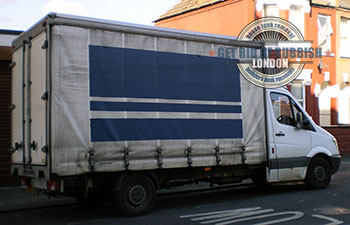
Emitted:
pixel 239 216
pixel 221 215
pixel 333 221
pixel 255 213
pixel 296 215
pixel 218 212
pixel 245 214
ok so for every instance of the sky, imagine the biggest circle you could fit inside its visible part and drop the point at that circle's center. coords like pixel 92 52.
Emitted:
pixel 21 14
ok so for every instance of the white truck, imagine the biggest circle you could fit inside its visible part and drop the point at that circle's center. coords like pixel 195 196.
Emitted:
pixel 109 109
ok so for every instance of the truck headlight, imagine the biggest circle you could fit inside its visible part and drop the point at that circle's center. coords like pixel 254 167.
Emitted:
pixel 336 143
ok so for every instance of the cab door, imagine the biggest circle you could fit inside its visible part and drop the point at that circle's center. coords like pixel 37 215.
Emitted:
pixel 291 143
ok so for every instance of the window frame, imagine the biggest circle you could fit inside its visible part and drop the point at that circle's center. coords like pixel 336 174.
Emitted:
pixel 277 12
pixel 297 17
pixel 344 38
pixel 307 125
pixel 299 100
pixel 330 32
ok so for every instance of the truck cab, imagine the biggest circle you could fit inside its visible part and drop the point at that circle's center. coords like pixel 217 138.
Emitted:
pixel 298 149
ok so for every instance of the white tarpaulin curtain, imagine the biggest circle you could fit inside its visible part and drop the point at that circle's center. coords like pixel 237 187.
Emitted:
pixel 93 101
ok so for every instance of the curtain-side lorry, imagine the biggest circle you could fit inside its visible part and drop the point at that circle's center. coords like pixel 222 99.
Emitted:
pixel 109 108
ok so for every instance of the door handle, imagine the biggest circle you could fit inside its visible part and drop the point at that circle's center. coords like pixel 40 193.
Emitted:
pixel 280 134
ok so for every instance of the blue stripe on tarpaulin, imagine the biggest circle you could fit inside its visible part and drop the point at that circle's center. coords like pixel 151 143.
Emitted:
pixel 162 107
pixel 122 72
pixel 163 129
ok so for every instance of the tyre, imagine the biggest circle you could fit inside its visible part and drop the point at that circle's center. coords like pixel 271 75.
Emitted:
pixel 260 181
pixel 137 195
pixel 319 173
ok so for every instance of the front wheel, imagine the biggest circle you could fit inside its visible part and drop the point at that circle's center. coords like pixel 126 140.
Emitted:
pixel 137 195
pixel 319 174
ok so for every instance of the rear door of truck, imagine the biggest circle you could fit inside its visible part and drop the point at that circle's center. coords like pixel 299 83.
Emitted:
pixel 29 101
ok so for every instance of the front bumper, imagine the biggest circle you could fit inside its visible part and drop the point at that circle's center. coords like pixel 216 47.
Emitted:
pixel 336 163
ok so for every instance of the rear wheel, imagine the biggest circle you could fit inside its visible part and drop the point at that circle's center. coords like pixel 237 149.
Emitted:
pixel 137 195
pixel 260 180
pixel 319 173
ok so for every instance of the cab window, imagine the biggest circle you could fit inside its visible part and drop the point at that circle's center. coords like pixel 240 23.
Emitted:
pixel 285 110
pixel 282 109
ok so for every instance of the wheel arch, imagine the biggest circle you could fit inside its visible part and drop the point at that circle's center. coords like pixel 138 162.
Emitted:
pixel 322 153
pixel 319 150
pixel 121 177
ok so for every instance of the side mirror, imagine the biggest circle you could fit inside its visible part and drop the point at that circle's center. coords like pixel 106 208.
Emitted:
pixel 300 120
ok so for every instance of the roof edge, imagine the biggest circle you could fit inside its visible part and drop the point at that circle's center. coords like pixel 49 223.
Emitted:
pixel 10 32
pixel 187 11
pixel 55 19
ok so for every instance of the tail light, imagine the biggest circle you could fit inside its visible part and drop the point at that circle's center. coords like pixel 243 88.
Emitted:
pixel 53 185
pixel 25 181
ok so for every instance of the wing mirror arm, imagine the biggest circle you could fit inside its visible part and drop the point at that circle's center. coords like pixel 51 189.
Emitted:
pixel 299 122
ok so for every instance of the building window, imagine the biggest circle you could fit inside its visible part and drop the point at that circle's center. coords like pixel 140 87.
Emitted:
pixel 297 18
pixel 344 35
pixel 297 89
pixel 324 33
pixel 270 10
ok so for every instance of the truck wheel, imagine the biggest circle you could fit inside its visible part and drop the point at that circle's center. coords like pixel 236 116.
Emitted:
pixel 319 174
pixel 137 195
pixel 260 181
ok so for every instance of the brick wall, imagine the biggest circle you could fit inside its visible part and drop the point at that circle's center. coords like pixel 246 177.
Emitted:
pixel 342 134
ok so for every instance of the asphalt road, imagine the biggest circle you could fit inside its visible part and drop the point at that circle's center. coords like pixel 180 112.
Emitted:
pixel 245 204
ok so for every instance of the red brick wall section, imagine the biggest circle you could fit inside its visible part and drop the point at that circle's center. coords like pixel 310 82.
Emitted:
pixel 5 124
pixel 342 134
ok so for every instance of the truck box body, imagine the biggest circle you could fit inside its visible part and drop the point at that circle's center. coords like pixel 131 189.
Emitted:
pixel 97 96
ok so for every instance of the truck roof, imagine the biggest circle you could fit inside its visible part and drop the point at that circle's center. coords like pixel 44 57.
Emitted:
pixel 110 25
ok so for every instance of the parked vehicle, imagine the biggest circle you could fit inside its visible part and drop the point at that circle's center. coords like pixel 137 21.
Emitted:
pixel 102 107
